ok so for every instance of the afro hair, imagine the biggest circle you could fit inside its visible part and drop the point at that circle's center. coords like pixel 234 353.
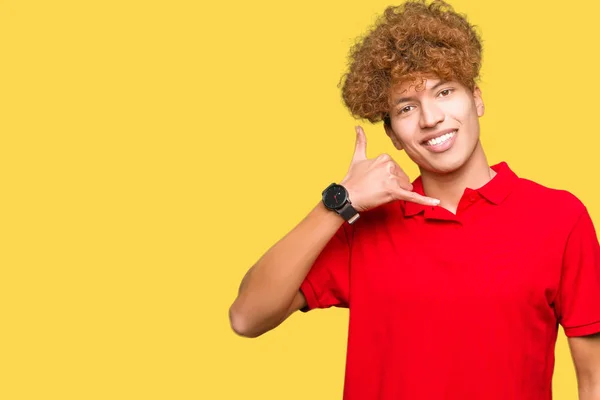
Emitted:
pixel 408 43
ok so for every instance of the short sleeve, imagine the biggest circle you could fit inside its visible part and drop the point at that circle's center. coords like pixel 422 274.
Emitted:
pixel 328 281
pixel 578 300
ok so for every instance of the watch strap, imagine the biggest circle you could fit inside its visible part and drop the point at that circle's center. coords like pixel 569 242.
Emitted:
pixel 349 213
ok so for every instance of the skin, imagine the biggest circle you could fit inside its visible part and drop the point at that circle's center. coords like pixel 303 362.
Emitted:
pixel 451 105
pixel 269 292
pixel 440 106
pixel 585 352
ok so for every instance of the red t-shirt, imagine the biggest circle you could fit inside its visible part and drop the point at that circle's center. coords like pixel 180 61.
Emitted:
pixel 464 306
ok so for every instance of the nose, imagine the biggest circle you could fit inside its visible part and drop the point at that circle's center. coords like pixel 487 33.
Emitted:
pixel 431 115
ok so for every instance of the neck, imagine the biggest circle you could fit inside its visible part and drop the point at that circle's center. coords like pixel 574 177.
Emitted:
pixel 449 187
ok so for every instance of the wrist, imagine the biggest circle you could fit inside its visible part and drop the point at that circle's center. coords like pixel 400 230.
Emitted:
pixel 336 198
pixel 353 195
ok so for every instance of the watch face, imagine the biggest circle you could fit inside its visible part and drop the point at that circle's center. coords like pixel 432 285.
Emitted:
pixel 335 196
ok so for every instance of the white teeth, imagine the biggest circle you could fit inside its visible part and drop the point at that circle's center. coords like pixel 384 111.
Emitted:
pixel 440 139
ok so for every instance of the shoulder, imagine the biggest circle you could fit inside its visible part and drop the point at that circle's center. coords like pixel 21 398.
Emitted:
pixel 551 201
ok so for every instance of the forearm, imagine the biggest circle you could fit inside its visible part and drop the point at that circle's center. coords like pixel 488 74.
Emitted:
pixel 268 289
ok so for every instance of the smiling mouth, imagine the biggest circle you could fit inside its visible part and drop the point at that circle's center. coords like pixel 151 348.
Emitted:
pixel 440 140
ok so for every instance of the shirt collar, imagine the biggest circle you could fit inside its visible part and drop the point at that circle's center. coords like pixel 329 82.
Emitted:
pixel 495 191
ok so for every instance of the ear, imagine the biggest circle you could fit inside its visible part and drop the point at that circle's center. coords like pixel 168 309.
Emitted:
pixel 478 101
pixel 390 132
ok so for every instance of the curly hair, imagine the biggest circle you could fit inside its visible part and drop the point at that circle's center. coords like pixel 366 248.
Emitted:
pixel 407 43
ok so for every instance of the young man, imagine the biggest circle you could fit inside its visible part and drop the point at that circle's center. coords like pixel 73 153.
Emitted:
pixel 456 283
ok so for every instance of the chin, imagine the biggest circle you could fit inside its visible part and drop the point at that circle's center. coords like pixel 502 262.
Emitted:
pixel 442 167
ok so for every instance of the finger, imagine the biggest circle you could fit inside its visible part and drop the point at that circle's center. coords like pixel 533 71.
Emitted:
pixel 392 168
pixel 415 197
pixel 360 151
pixel 406 185
pixel 384 158
pixel 401 184
pixel 399 176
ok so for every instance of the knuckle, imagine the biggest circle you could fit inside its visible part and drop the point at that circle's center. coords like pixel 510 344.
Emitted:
pixel 384 157
pixel 405 185
pixel 391 167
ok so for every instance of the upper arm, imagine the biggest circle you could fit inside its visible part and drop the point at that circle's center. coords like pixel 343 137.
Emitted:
pixel 298 303
pixel 585 351
pixel 578 301
pixel 327 284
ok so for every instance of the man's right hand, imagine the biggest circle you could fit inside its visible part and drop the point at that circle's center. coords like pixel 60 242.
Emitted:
pixel 373 182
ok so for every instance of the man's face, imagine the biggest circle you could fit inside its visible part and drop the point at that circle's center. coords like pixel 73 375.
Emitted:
pixel 438 126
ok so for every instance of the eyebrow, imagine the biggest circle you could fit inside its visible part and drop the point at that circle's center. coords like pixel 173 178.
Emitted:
pixel 405 99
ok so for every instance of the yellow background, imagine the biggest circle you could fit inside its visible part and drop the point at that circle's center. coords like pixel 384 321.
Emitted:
pixel 152 151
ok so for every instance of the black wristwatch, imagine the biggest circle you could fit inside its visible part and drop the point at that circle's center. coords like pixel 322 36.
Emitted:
pixel 335 198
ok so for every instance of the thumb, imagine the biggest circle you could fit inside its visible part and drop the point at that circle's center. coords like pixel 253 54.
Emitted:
pixel 360 151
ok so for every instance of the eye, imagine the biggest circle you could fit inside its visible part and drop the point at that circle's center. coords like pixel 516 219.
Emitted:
pixel 446 92
pixel 405 109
